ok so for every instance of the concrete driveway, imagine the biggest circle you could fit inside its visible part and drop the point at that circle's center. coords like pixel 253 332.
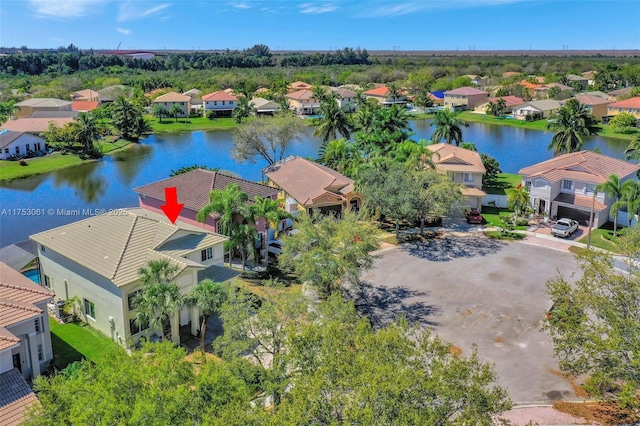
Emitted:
pixel 477 293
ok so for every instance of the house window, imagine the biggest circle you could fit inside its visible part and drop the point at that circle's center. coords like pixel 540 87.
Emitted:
pixel 47 281
pixel 6 150
pixel 89 309
pixel 40 353
pixel 206 254
pixel 37 325
pixel 135 328
pixel 27 147
pixel 567 184
pixel 223 102
pixel 589 188
pixel 17 150
pixel 467 177
pixel 527 185
pixel 215 102
pixel 131 298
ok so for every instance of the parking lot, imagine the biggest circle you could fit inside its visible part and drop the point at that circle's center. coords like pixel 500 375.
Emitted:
pixel 477 293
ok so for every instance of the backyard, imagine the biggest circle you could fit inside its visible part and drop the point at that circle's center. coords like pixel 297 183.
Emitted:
pixel 170 125
pixel 73 342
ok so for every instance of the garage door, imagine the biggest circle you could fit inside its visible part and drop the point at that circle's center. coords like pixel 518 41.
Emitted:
pixel 581 216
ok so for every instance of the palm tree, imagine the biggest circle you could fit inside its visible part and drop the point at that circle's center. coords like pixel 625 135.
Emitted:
pixel 415 155
pixel 334 119
pixel 208 296
pixel 243 110
pixel 518 200
pixel 448 127
pixel 572 121
pixel 228 203
pixel 175 111
pixel 86 131
pixel 496 108
pixel 124 114
pixel 243 238
pixel 613 187
pixel 140 128
pixel 271 211
pixel 633 150
pixel 160 297
pixel 423 100
pixel 340 155
pixel 159 110
pixel 629 200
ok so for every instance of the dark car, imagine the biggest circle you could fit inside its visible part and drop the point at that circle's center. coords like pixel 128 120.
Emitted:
pixel 473 216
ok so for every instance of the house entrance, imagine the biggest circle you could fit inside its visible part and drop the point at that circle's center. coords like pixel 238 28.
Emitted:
pixel 541 206
pixel 16 362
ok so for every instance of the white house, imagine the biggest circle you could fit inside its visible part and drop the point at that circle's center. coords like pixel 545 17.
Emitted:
pixel 564 186
pixel 264 106
pixel 220 103
pixel 99 259
pixel 545 107
pixel 346 98
pixel 16 144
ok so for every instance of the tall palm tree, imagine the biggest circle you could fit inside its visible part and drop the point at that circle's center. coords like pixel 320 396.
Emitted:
pixel 416 155
pixel 160 111
pixel 633 150
pixel 86 131
pixel 229 204
pixel 208 296
pixel 340 155
pixel 448 127
pixel 243 110
pixel 271 211
pixel 518 200
pixel 175 111
pixel 160 297
pixel 123 117
pixel 140 128
pixel 243 238
pixel 613 187
pixel 334 119
pixel 629 200
pixel 572 121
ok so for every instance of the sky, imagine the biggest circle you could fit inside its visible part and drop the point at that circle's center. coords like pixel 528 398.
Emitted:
pixel 322 24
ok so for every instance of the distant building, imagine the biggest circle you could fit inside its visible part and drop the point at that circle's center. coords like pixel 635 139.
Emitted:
pixel 464 98
pixel 30 106
pixel 169 100
pixel 19 144
pixel 385 97
pixel 220 103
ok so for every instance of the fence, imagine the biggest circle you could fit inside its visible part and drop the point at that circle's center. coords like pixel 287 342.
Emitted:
pixel 499 200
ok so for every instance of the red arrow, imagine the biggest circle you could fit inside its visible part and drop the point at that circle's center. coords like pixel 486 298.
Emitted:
pixel 171 208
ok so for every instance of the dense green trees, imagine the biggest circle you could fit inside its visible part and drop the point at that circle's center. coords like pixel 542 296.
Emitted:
pixel 518 200
pixel 572 121
pixel 623 122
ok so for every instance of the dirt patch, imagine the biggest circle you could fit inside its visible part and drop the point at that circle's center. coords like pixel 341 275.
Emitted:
pixel 455 350
pixel 606 413
pixel 468 312
pixel 577 389
pixel 498 339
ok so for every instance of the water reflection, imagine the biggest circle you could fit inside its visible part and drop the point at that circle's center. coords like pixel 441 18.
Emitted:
pixel 88 185
pixel 130 162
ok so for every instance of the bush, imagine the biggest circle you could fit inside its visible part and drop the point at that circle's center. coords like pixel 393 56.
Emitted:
pixel 23 163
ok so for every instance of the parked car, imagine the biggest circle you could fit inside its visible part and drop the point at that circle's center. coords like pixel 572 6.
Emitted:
pixel 274 247
pixel 564 228
pixel 473 216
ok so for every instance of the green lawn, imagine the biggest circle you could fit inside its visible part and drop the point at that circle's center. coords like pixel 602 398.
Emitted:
pixel 76 341
pixel 603 238
pixel 170 125
pixel 502 183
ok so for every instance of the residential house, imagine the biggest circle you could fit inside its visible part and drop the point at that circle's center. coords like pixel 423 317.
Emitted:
pixel 25 339
pixel 220 103
pixel 156 92
pixel 196 100
pixel 542 92
pixel 84 106
pixel 346 98
pixel 34 125
pixel 16 398
pixel 296 86
pixel 112 93
pixel 510 74
pixel 631 105
pixel 302 102
pixel 20 144
pixel 590 76
pixel 385 98
pixel 530 86
pixel 600 94
pixel 307 185
pixel 545 108
pixel 464 98
pixel 595 104
pixel 169 100
pixel 565 185
pixel 264 106
pixel 511 102
pixel 464 166
pixel 574 80
pixel 30 106
pixel 616 94
pixel 437 97
pixel 84 95
pixel 193 190
pixel 98 260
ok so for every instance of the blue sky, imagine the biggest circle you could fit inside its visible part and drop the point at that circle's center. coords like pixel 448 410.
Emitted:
pixel 320 24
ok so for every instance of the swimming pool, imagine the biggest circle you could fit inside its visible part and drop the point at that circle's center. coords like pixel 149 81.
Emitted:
pixel 33 275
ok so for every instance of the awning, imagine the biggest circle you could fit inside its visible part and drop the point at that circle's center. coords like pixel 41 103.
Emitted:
pixel 581 202
pixel 473 192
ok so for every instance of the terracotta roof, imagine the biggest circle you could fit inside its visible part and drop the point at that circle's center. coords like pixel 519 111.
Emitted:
pixel 306 180
pixel 84 105
pixel 117 246
pixel 7 339
pixel 15 286
pixel 591 100
pixel 456 159
pixel 550 85
pixel 12 312
pixel 262 90
pixel 195 186
pixel 525 83
pixel 301 94
pixel 34 125
pixel 219 96
pixel 579 201
pixel 589 75
pixel 85 95
pixel 465 91
pixel 154 91
pixel 586 166
pixel 627 103
pixel 378 91
pixel 300 85
pixel 510 73
pixel 15 398
pixel 173 97
pixel 511 101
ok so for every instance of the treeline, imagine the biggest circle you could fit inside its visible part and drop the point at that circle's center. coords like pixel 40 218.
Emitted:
pixel 259 56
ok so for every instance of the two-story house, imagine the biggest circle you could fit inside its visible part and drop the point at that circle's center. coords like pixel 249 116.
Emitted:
pixel 302 102
pixel 595 104
pixel 346 98
pixel 464 98
pixel 220 103
pixel 296 86
pixel 464 166
pixel 631 106
pixel 28 107
pixel 99 261
pixel 168 100
pixel 384 96
pixel 565 185
pixel 306 185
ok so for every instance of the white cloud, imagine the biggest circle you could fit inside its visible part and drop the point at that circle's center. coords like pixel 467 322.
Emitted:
pixel 242 6
pixel 414 6
pixel 124 31
pixel 62 9
pixel 317 9
pixel 130 10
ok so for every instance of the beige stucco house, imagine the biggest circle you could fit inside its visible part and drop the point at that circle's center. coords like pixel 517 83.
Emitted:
pixel 302 102
pixel 631 106
pixel 464 166
pixel 545 108
pixel 99 259
pixel 595 104
pixel 168 100
pixel 220 103
pixel 564 186
pixel 307 185
pixel 346 97
pixel 511 102
pixel 464 97
pixel 385 97
pixel 30 106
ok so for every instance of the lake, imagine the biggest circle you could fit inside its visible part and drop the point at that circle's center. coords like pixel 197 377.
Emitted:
pixel 108 183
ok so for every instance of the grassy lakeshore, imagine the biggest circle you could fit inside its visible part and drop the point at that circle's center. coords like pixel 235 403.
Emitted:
pixel 10 170
pixel 170 125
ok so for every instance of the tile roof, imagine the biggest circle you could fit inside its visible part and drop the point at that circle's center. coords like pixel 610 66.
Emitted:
pixel 8 136
pixel 306 180
pixel 34 125
pixel 574 77
pixel 7 339
pixel 586 166
pixel 627 103
pixel 587 99
pixel 510 73
pixel 343 92
pixel 193 92
pixel 261 104
pixel 623 91
pixel 599 94
pixel 456 159
pixel 84 105
pixel 466 91
pixel 195 186
pixel 378 91
pixel 550 85
pixel 544 104
pixel 590 75
pixel 528 85
pixel 12 312
pixel 85 95
pixel 579 201
pixel 43 103
pixel 220 95
pixel 511 101
pixel 300 85
pixel 54 114
pixel 15 286
pixel 300 94
pixel 473 191
pixel 15 398
pixel 173 97
pixel 117 246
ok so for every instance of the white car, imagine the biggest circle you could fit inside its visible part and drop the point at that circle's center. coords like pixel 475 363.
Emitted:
pixel 274 247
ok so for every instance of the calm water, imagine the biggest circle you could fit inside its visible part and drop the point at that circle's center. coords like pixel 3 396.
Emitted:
pixel 108 184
